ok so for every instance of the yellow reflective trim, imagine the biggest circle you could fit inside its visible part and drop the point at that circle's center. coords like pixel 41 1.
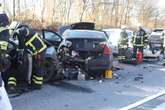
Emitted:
pixel 37 82
pixel 43 44
pixel 38 78
pixel 2 29
pixel 12 78
pixel 139 45
pixel 43 48
pixel 30 44
pixel 11 32
pixel 121 58
pixel 134 40
pixel 11 82
pixel 3 45
pixel 142 41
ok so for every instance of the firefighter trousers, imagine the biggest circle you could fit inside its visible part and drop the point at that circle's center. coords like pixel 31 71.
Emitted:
pixel 37 71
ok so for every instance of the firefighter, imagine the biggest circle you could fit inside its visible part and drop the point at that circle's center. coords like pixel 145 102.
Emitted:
pixel 4 34
pixel 122 44
pixel 138 40
pixel 4 21
pixel 30 41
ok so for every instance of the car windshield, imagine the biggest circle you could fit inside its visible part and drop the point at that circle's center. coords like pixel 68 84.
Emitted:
pixel 114 36
pixel 130 34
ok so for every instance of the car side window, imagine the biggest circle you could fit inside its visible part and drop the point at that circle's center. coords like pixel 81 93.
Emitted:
pixel 48 35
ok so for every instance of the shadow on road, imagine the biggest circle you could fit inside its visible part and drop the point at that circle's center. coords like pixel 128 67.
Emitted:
pixel 72 87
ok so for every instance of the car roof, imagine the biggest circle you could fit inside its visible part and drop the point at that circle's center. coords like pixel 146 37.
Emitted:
pixel 112 29
pixel 84 34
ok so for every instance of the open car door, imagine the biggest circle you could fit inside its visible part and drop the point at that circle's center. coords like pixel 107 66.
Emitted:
pixel 52 37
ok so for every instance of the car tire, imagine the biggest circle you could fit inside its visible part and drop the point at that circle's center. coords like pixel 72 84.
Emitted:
pixel 49 70
pixel 95 74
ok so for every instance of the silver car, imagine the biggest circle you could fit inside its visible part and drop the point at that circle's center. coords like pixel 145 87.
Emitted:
pixel 114 36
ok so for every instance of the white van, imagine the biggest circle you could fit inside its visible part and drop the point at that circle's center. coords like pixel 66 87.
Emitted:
pixel 114 36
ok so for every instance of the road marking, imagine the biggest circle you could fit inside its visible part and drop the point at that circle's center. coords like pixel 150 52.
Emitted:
pixel 147 99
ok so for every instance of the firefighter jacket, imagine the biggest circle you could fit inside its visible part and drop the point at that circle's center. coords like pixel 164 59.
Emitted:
pixel 4 33
pixel 141 32
pixel 30 40
pixel 138 41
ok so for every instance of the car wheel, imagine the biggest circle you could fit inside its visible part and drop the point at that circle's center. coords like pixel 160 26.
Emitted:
pixel 95 74
pixel 49 70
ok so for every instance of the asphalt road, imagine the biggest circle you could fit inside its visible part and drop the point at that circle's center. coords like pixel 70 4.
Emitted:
pixel 155 104
pixel 129 84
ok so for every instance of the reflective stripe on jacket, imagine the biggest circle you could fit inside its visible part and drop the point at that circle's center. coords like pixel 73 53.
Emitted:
pixel 35 44
pixel 3 29
pixel 138 41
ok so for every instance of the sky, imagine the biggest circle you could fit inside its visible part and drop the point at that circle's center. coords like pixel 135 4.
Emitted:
pixel 161 4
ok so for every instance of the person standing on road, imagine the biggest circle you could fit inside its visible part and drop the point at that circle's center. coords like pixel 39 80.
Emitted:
pixel 30 41
pixel 138 40
pixel 122 44
pixel 4 100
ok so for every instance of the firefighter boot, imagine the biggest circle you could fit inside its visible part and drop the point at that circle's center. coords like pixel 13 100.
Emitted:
pixel 12 85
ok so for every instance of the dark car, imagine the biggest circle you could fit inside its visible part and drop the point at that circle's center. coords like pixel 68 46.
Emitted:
pixel 91 44
pixel 79 25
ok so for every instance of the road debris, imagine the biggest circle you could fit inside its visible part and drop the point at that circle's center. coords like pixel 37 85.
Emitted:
pixel 138 78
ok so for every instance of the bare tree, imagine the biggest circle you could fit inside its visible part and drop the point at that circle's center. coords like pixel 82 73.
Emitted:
pixel 85 7
pixel 14 8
